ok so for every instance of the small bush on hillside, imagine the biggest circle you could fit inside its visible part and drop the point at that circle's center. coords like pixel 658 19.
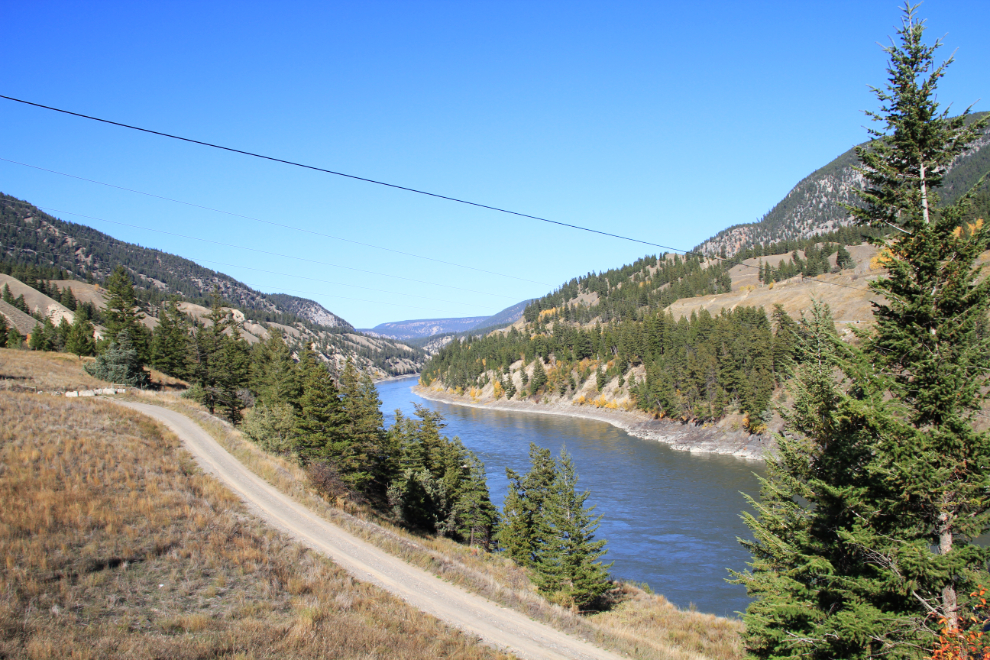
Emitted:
pixel 271 426
pixel 119 364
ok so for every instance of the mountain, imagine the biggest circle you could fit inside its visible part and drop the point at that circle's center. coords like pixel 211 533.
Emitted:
pixel 310 310
pixel 815 204
pixel 418 328
pixel 36 247
pixel 425 328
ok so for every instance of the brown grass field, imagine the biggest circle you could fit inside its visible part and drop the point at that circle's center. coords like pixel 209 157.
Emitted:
pixel 115 545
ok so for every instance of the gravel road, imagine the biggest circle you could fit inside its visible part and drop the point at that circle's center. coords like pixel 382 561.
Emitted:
pixel 502 628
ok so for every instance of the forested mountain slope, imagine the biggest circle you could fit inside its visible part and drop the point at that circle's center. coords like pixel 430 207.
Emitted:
pixel 42 251
pixel 814 205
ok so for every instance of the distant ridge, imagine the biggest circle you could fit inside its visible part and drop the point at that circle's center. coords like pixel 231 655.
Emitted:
pixel 424 328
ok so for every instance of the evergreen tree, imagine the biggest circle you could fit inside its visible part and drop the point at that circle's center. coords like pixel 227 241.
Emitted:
pixel 275 379
pixel 14 338
pixel 524 505
pixel 220 361
pixel 567 561
pixel 475 515
pixel 170 341
pixel 121 312
pixel 68 299
pixel 119 364
pixel 547 528
pixel 865 528
pixel 36 340
pixel 321 422
pixel 4 330
pixel 843 259
pixel 539 378
pixel 80 340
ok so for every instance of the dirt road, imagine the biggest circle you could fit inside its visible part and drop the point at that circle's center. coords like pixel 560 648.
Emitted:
pixel 500 627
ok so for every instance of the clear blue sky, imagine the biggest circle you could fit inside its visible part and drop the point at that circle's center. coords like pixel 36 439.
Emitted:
pixel 663 121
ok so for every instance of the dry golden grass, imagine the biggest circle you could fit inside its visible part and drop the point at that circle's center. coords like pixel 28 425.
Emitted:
pixel 640 625
pixel 28 371
pixel 114 545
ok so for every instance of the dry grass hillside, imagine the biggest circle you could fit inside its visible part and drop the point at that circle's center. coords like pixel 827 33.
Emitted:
pixel 36 301
pixel 845 292
pixel 115 545
pixel 23 323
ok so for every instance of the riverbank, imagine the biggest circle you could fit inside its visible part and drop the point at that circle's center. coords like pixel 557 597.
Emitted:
pixel 677 435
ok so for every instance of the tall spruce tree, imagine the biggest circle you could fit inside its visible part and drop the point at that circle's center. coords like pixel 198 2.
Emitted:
pixel 864 531
pixel 566 558
pixel 220 361
pixel 322 421
pixel 121 312
pixel 170 341
pixel 926 340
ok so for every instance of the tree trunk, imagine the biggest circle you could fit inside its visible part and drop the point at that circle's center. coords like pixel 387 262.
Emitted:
pixel 949 601
pixel 924 194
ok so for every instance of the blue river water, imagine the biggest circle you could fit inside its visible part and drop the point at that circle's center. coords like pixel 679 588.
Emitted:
pixel 671 518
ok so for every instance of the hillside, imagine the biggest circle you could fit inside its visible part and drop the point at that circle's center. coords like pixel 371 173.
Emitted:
pixel 815 205
pixel 45 251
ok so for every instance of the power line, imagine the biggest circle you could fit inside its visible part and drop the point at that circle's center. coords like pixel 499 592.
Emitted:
pixel 270 222
pixel 345 175
pixel 390 185
pixel 286 256
pixel 121 244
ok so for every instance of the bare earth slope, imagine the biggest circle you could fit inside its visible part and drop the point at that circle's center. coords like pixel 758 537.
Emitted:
pixel 497 626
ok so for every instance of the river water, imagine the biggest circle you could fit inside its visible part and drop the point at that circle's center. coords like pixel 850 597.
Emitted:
pixel 671 518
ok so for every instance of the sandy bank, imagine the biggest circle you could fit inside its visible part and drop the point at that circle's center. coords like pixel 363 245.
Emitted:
pixel 683 437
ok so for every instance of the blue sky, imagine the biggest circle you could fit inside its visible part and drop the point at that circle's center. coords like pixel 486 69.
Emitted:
pixel 661 121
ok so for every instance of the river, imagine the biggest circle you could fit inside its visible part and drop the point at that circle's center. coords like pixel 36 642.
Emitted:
pixel 671 518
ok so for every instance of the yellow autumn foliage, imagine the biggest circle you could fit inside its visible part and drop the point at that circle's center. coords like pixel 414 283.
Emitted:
pixel 881 259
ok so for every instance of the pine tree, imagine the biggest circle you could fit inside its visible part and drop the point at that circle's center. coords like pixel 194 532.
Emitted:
pixel 843 259
pixel 866 520
pixel 547 528
pixel 170 341
pixel 539 378
pixel 36 340
pixel 121 312
pixel 220 361
pixel 80 340
pixel 275 379
pixel 926 340
pixel 524 504
pixel 119 364
pixel 322 419
pixel 475 515
pixel 68 299
pixel 4 330
pixel 574 552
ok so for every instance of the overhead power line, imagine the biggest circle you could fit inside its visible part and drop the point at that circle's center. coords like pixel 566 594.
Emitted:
pixel 121 244
pixel 286 256
pixel 272 223
pixel 392 185
pixel 343 174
